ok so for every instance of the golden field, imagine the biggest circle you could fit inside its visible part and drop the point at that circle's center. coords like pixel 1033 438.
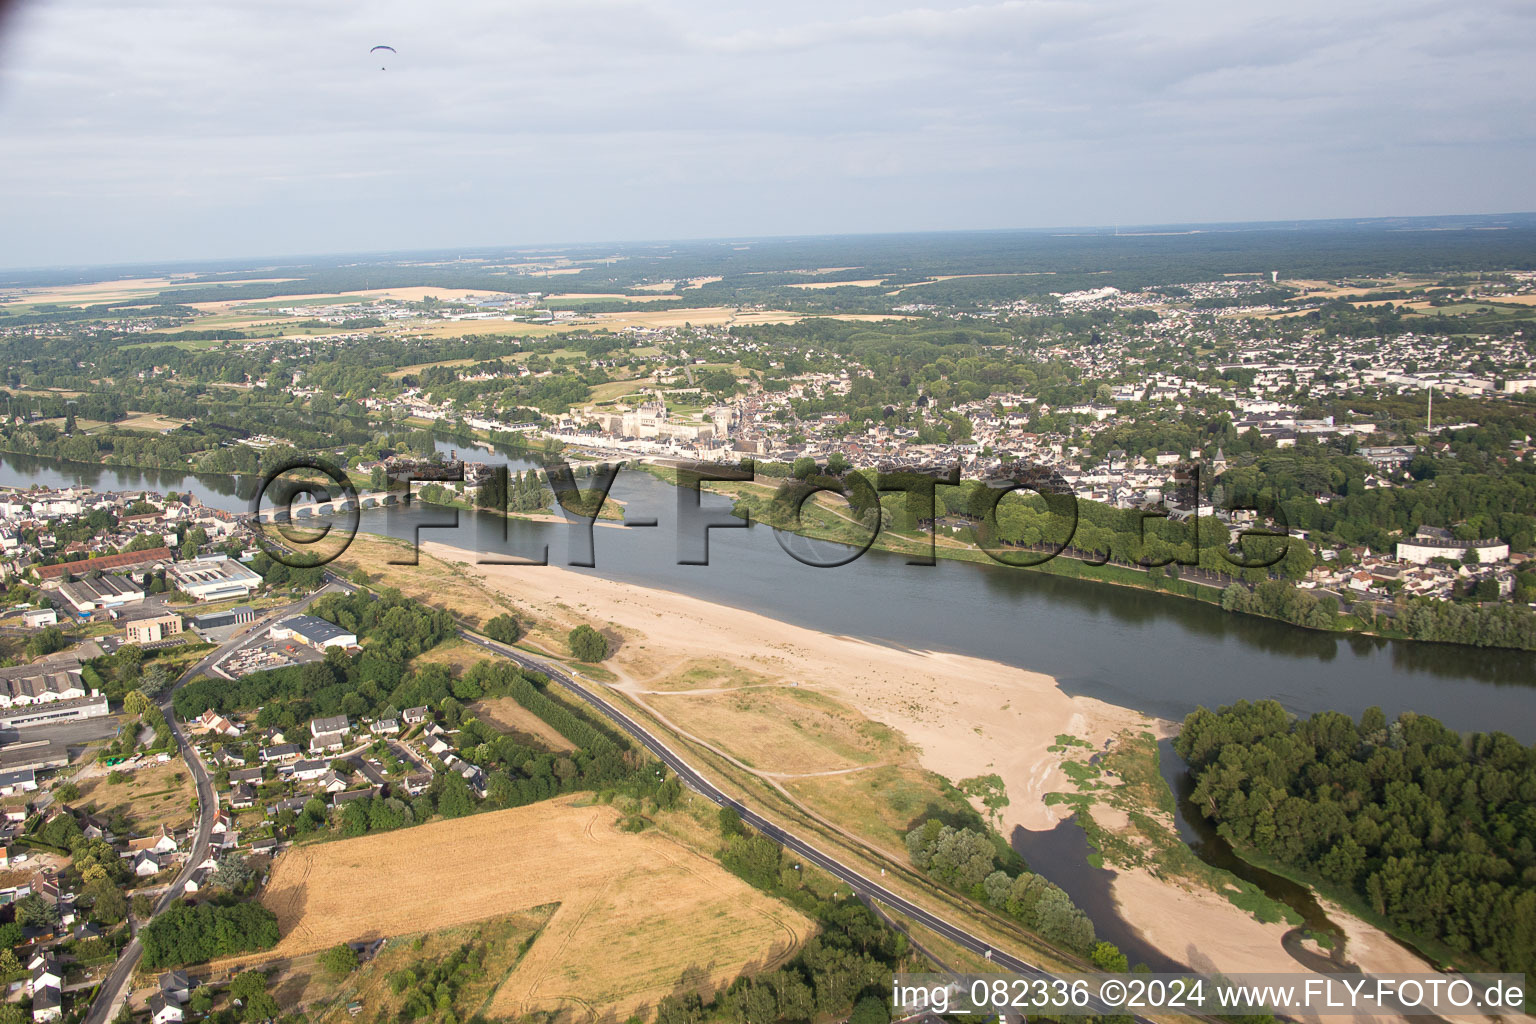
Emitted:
pixel 508 716
pixel 635 909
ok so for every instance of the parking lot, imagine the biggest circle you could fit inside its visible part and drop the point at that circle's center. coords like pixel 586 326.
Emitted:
pixel 269 654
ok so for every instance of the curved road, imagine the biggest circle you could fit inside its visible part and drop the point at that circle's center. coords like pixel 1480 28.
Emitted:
pixel 861 885
pixel 114 987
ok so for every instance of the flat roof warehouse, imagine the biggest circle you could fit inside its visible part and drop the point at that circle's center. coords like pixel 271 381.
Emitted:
pixel 315 631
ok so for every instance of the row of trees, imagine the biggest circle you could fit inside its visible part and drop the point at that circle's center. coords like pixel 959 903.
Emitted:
pixel 521 492
pixel 186 934
pixel 967 860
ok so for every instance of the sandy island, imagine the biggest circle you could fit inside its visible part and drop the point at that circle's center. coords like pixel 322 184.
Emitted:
pixel 967 716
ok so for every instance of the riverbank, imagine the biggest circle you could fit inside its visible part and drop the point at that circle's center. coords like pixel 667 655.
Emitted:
pixel 820 520
pixel 968 717
pixel 962 717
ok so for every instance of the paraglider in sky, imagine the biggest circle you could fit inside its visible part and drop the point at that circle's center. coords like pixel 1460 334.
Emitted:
pixel 376 49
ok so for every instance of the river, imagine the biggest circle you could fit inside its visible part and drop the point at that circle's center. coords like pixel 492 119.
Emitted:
pixel 1157 653
pixel 1160 654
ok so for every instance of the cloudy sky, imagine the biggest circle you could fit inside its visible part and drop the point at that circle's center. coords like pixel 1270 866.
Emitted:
pixel 202 128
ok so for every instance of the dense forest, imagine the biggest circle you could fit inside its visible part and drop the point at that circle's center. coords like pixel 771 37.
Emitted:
pixel 1432 832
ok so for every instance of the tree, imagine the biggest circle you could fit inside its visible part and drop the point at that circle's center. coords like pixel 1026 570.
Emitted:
pixel 232 873
pixel 108 905
pixel 339 961
pixel 587 644
pixel 154 680
pixel 135 703
pixel 34 911
pixel 67 793
pixel 201 1000
pixel 47 642
pixel 503 628
pixel 454 800
pixel 261 1006
pixel 246 985
pixel 185 934
pixel 870 1010
pixel 1107 957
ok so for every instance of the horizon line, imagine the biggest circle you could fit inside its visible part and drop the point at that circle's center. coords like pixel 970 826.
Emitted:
pixel 1120 230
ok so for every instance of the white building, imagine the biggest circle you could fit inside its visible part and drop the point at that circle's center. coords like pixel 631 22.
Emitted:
pixel 214 578
pixel 41 683
pixel 1431 542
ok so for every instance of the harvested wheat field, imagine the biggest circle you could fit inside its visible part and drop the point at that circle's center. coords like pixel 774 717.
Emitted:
pixel 526 727
pixel 635 909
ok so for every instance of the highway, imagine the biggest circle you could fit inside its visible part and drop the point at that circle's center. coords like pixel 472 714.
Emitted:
pixel 114 987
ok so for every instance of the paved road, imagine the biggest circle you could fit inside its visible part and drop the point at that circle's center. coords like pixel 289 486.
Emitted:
pixel 114 988
pixel 864 887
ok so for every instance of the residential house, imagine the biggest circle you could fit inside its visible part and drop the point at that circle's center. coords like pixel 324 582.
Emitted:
pixel 217 723
pixel 163 1010
pixel 176 986
pixel 46 1005
pixel 327 742
pixel 47 972
pixel 292 803
pixel 161 841
pixel 22 780
pixel 309 771
pixel 281 752
pixel 334 723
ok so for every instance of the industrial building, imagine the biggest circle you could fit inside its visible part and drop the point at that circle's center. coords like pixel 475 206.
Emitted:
pixel 314 631
pixel 89 596
pixel 54 711
pixel 41 683
pixel 214 578
pixel 237 616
